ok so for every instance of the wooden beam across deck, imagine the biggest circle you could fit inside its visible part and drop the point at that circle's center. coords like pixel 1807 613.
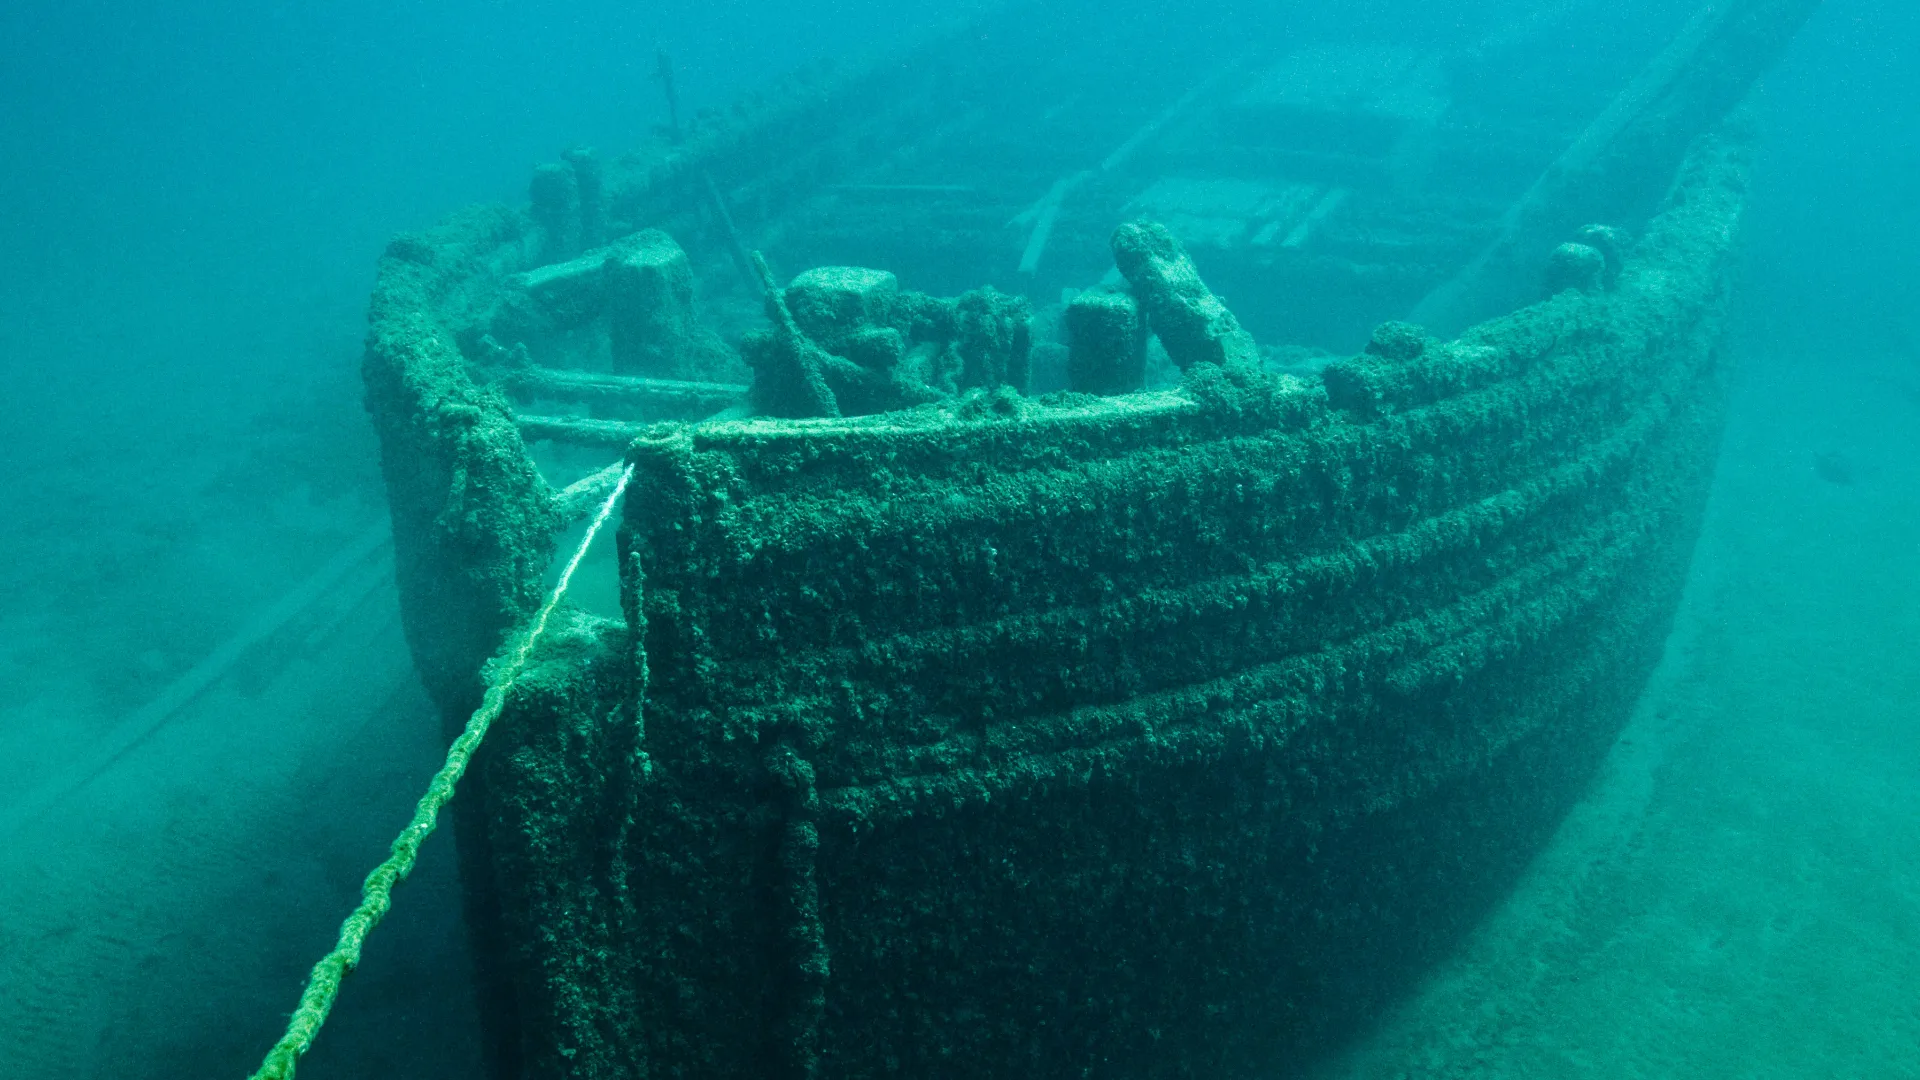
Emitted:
pixel 579 430
pixel 632 396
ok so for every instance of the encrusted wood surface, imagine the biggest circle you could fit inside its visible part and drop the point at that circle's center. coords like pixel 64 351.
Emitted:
pixel 1156 735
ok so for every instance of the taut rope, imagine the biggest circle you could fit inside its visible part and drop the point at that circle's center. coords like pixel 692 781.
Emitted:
pixel 376 895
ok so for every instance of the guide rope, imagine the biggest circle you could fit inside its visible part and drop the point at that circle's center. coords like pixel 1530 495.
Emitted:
pixel 376 895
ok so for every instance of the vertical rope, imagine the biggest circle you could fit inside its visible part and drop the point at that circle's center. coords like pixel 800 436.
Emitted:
pixel 376 894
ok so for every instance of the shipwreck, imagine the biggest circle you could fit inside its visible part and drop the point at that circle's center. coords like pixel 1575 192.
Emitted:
pixel 1016 656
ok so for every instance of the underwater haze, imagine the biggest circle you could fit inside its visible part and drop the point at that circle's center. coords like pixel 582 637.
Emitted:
pixel 210 724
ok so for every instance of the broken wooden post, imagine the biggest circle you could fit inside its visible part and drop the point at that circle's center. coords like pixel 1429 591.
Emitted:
pixel 1106 343
pixel 1192 323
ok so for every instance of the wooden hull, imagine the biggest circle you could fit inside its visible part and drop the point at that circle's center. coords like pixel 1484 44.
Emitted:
pixel 1162 734
pixel 1144 736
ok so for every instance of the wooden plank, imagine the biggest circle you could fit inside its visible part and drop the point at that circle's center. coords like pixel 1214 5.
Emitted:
pixel 641 398
pixel 578 430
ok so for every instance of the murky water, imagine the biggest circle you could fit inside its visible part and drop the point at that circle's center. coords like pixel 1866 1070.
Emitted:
pixel 209 727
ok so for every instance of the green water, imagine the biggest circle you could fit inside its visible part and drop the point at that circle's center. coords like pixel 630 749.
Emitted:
pixel 194 198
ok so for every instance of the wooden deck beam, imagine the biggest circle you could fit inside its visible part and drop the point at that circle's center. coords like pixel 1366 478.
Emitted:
pixel 644 399
pixel 579 430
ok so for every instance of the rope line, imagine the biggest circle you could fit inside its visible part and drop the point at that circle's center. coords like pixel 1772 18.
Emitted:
pixel 376 894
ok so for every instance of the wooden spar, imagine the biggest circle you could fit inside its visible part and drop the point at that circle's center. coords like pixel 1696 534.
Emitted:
pixel 585 495
pixel 143 723
pixel 1048 212
pixel 1043 213
pixel 655 399
pixel 578 431
pixel 1620 164
pixel 664 72
pixel 742 257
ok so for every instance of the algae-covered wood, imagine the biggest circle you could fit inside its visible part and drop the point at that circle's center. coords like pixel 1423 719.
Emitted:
pixel 1146 736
